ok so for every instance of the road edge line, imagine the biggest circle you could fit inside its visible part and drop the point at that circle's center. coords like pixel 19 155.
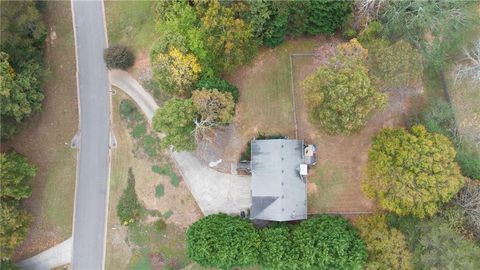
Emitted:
pixel 79 128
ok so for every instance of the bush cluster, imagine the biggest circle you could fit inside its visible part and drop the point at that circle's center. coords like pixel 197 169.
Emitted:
pixel 322 242
pixel 129 208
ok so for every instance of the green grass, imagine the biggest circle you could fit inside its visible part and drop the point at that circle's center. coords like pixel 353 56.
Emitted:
pixel 330 183
pixel 265 90
pixel 170 243
pixel 159 190
pixel 131 23
pixel 59 191
pixel 167 170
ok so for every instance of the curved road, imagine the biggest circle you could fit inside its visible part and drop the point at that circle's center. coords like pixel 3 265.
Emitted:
pixel 91 193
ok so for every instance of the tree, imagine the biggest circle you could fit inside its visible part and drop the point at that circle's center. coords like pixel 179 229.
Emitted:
pixel 386 246
pixel 469 65
pixel 469 199
pixel 14 224
pixel 223 242
pixel 213 106
pixel 213 82
pixel 128 207
pixel 176 119
pixel 276 250
pixel 328 242
pixel 16 174
pixel 443 248
pixel 397 65
pixel 118 56
pixel 341 99
pixel 411 172
pixel 228 38
pixel 176 72
pixel 326 16
pixel 269 20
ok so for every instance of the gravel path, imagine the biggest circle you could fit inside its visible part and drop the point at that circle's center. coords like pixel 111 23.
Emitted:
pixel 214 191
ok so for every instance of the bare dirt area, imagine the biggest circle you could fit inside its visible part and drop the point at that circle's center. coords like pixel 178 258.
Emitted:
pixel 334 183
pixel 46 140
pixel 176 205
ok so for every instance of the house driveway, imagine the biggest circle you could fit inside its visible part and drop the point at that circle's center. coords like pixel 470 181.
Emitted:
pixel 214 191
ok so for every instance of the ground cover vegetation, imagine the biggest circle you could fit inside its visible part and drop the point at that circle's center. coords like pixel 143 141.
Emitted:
pixel 21 63
pixel 15 175
pixel 323 242
pixel 340 97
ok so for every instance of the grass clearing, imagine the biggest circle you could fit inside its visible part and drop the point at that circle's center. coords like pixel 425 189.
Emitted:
pixel 265 104
pixel 46 139
pixel 131 23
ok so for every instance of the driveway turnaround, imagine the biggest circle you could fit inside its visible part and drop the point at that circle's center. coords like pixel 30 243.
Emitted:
pixel 93 160
pixel 213 191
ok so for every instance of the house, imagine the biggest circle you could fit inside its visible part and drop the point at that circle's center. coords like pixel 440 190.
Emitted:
pixel 279 186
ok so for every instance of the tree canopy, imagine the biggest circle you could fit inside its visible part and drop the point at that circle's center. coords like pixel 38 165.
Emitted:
pixel 214 106
pixel 223 242
pixel 386 246
pixel 276 250
pixel 176 119
pixel 396 65
pixel 118 56
pixel 411 172
pixel 15 175
pixel 340 97
pixel 21 63
pixel 14 224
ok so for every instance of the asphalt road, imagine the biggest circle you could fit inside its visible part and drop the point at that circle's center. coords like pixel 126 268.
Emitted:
pixel 93 164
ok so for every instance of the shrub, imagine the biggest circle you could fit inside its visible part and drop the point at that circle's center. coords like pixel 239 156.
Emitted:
pixel 118 57
pixel 328 242
pixel 127 108
pixel 411 172
pixel 129 208
pixel 223 242
pixel 214 82
pixel 139 130
pixel 371 34
pixel 386 246
pixel 160 225
pixel 468 157
pixel 276 250
pixel 439 117
pixel 159 190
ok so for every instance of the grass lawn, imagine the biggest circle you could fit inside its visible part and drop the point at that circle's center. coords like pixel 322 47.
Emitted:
pixel 265 104
pixel 46 139
pixel 142 246
pixel 131 23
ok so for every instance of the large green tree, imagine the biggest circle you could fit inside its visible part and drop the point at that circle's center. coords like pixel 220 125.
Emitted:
pixel 325 16
pixel 21 63
pixel 223 242
pixel 14 225
pixel 328 242
pixel 176 119
pixel 15 175
pixel 386 246
pixel 411 172
pixel 341 98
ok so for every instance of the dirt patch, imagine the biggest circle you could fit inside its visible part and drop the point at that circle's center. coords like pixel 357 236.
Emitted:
pixel 46 140
pixel 335 181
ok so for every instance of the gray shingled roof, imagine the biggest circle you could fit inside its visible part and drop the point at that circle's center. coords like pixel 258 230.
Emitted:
pixel 278 191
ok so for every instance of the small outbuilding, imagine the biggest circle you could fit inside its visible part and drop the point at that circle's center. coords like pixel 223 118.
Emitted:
pixel 279 187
